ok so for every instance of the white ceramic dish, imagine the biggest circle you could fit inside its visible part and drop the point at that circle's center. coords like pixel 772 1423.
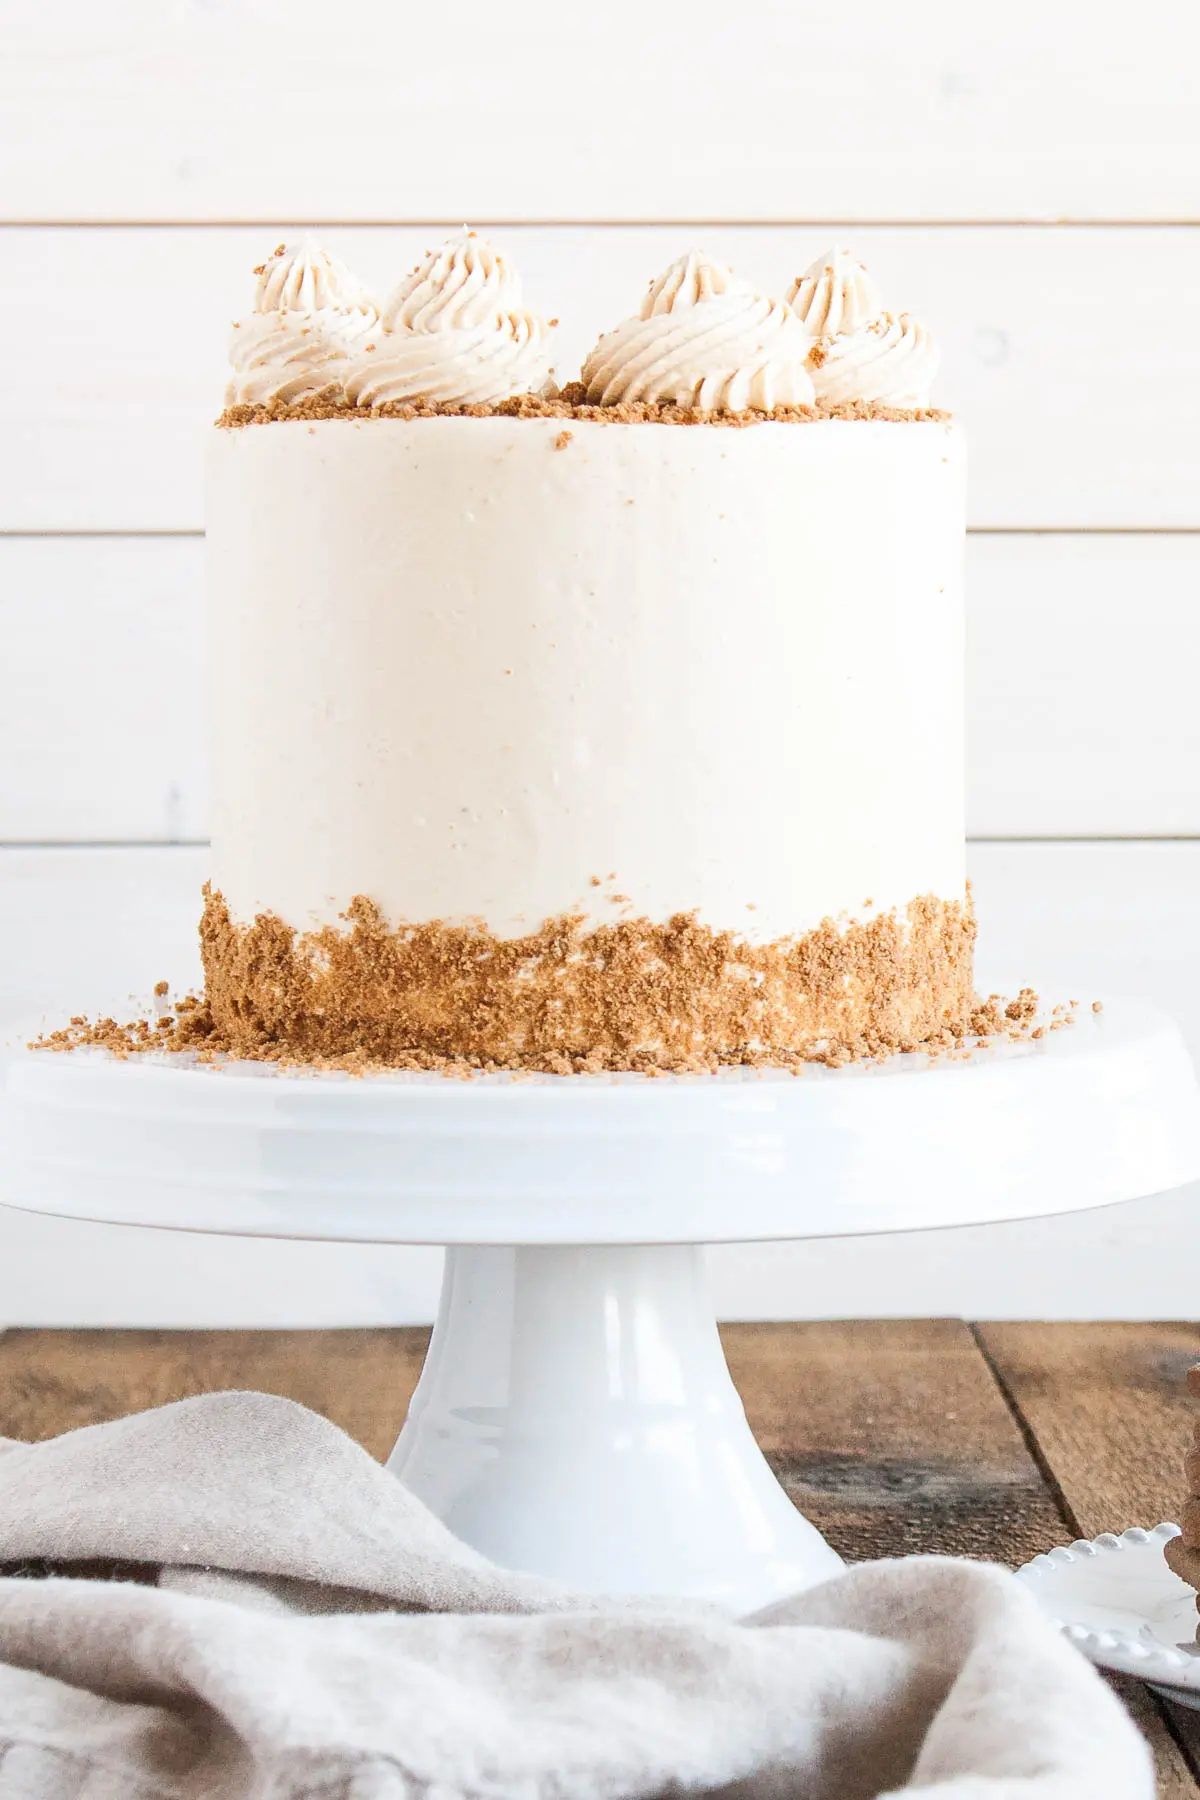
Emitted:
pixel 1126 1610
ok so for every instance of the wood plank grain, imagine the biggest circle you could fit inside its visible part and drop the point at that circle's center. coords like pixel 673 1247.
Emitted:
pixel 1174 1764
pixel 140 111
pixel 53 1381
pixel 1078 725
pixel 895 1440
pixel 1108 1408
pixel 1063 433
pixel 891 1435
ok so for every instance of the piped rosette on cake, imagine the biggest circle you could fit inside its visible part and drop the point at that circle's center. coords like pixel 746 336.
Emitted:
pixel 311 318
pixel 456 333
pixel 860 352
pixel 703 338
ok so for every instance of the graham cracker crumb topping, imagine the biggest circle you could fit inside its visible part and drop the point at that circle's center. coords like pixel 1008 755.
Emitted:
pixel 573 996
pixel 569 404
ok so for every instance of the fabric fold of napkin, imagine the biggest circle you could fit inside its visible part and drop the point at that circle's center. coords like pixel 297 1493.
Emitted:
pixel 313 1633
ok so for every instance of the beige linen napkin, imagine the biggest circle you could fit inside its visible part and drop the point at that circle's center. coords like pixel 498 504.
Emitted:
pixel 315 1634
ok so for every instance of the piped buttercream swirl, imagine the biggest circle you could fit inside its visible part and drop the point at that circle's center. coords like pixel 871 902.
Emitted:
pixel 889 362
pixel 862 352
pixel 705 338
pixel 834 294
pixel 310 318
pixel 455 331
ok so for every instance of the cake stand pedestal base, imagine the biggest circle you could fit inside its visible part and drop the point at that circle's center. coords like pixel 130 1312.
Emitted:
pixel 575 1415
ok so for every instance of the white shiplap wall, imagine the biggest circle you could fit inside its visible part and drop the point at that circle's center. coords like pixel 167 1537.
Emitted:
pixel 1031 185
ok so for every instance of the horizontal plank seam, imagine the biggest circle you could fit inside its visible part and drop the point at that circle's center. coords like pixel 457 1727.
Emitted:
pixel 182 531
pixel 973 531
pixel 103 844
pixel 182 843
pixel 1067 837
pixel 15 223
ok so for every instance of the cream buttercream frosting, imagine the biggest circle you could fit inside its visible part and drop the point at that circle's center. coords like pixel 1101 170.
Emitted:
pixel 466 664
pixel 703 337
pixel 455 331
pixel 890 362
pixel 834 294
pixel 862 351
pixel 310 317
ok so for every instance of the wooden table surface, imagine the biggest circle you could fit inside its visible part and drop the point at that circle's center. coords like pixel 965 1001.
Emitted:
pixel 893 1435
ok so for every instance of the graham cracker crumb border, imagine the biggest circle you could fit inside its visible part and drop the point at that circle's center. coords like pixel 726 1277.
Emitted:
pixel 569 404
pixel 192 1035
pixel 228 1023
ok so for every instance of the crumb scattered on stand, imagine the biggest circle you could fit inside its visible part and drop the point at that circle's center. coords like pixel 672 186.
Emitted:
pixel 650 998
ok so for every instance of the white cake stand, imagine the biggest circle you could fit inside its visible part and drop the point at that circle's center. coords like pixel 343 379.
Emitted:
pixel 575 1416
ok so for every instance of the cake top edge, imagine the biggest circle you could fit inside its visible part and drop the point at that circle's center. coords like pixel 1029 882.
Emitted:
pixel 456 333
pixel 561 408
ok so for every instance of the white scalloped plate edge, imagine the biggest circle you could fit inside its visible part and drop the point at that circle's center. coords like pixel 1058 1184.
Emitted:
pixel 1116 1649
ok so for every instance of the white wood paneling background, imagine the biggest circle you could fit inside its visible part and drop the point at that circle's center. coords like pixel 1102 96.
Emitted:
pixel 1082 670
pixel 1073 354
pixel 1031 185
pixel 285 109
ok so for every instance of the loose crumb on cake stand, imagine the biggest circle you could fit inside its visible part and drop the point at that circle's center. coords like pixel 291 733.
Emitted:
pixel 574 997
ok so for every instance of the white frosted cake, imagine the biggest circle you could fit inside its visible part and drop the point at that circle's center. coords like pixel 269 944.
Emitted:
pixel 611 727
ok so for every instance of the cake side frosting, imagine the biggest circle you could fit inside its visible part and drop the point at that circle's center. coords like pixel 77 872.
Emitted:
pixel 724 668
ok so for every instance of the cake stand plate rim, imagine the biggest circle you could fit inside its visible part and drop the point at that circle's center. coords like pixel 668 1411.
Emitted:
pixel 1103 1111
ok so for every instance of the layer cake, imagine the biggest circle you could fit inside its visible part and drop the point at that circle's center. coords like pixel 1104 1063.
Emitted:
pixel 616 726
